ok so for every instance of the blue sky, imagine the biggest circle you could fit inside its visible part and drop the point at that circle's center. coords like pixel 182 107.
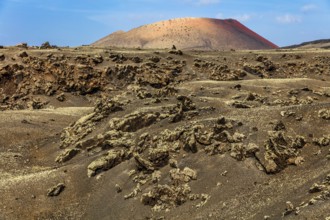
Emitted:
pixel 78 22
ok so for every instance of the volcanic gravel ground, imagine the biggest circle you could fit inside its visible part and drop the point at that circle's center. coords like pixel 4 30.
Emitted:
pixel 105 133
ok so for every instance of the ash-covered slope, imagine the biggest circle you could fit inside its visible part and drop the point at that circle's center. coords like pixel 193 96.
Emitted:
pixel 189 33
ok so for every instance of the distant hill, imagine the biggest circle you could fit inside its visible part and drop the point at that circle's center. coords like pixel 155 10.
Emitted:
pixel 324 44
pixel 188 34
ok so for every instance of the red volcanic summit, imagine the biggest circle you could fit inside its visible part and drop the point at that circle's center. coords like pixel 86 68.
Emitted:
pixel 188 34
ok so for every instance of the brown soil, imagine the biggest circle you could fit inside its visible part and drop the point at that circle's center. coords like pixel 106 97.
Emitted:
pixel 98 133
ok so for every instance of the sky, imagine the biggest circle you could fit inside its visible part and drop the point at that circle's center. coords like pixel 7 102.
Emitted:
pixel 81 22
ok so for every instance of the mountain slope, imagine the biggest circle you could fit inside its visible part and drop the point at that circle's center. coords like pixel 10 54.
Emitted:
pixel 323 43
pixel 189 33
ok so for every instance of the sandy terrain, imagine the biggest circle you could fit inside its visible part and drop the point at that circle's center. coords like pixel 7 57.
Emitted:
pixel 99 133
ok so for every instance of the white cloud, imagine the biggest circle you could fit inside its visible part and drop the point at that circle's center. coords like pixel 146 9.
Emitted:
pixel 71 10
pixel 308 7
pixel 104 19
pixel 207 2
pixel 17 1
pixel 288 19
pixel 127 21
pixel 219 16
pixel 243 17
pixel 202 2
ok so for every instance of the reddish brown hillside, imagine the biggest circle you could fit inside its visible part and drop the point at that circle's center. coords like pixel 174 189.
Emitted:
pixel 189 33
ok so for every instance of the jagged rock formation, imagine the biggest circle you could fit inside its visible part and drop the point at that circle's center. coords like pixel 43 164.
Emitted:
pixel 95 133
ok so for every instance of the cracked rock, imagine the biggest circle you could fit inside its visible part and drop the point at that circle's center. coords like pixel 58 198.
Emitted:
pixel 67 155
pixel 324 114
pixel 56 190
pixel 111 159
